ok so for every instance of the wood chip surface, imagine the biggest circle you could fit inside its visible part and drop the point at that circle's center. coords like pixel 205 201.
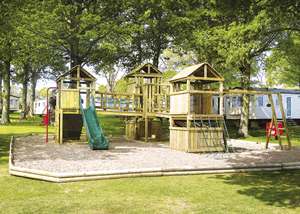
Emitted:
pixel 33 152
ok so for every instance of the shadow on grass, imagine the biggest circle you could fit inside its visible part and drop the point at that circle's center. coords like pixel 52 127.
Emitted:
pixel 259 134
pixel 279 189
pixel 4 148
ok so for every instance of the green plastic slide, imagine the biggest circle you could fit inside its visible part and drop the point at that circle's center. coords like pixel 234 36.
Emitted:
pixel 93 128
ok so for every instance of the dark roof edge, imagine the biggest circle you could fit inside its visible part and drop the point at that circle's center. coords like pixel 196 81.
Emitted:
pixel 283 91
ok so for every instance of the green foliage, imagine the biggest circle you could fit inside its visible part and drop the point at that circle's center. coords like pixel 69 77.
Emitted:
pixel 121 86
pixel 283 66
pixel 167 75
pixel 102 88
pixel 42 93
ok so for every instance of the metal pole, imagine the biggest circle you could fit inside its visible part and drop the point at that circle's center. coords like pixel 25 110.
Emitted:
pixel 47 117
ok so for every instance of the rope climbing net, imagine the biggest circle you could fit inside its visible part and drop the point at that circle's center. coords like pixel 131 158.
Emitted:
pixel 213 134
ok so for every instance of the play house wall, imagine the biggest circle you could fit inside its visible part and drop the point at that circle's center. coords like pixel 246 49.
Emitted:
pixel 191 94
pixel 186 140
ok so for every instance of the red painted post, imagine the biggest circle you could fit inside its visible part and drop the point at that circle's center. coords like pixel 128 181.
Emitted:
pixel 47 116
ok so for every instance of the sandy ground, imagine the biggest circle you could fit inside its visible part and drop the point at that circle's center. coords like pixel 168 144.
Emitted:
pixel 32 152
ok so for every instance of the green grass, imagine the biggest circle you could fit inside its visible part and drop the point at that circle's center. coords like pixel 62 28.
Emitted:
pixel 260 192
pixel 259 134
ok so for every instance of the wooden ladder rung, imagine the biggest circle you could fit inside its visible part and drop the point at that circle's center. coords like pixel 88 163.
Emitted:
pixel 283 136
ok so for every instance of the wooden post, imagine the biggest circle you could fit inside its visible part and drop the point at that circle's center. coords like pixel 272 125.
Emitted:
pixel 161 126
pixel 61 114
pixel 284 121
pixel 221 99
pixel 146 130
pixel 275 120
pixel 205 71
pixel 61 126
pixel 133 102
pixel 119 101
pixel 269 133
pixel 188 85
pixel 88 85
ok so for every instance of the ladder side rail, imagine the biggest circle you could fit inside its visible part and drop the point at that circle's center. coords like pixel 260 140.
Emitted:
pixel 275 120
pixel 203 130
pixel 228 137
pixel 269 133
pixel 284 121
pixel 219 131
pixel 199 137
pixel 213 137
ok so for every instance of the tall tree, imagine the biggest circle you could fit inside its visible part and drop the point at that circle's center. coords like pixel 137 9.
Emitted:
pixel 156 25
pixel 237 33
pixel 74 28
pixel 9 23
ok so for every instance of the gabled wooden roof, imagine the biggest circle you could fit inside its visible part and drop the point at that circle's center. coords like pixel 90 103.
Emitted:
pixel 147 70
pixel 198 71
pixel 83 73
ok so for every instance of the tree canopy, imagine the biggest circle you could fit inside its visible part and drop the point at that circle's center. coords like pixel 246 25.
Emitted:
pixel 42 38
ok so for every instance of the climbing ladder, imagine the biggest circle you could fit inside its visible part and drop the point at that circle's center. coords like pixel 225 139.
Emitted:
pixel 214 133
pixel 274 120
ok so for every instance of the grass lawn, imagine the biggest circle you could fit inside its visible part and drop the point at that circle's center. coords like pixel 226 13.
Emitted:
pixel 260 135
pixel 261 192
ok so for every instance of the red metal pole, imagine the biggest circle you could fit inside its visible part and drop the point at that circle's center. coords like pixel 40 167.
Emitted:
pixel 47 116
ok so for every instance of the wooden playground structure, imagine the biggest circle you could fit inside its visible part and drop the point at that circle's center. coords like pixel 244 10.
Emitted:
pixel 186 102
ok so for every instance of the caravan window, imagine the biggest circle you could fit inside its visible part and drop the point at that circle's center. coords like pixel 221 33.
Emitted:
pixel 260 101
pixel 236 101
pixel 276 102
pixel 11 102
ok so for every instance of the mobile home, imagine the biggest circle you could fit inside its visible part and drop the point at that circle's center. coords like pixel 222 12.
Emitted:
pixel 259 108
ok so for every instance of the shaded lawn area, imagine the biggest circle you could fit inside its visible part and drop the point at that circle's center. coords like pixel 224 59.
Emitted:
pixel 260 134
pixel 259 192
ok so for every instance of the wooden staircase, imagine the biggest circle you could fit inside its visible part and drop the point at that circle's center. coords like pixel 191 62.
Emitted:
pixel 290 122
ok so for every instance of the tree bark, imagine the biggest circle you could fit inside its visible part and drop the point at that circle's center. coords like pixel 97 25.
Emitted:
pixel 24 84
pixel 33 82
pixel 244 121
pixel 6 96
pixel 1 77
pixel 156 51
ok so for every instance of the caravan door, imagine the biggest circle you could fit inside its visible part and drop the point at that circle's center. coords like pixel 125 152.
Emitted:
pixel 288 106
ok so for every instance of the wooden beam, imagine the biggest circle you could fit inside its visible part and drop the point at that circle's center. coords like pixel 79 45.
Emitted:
pixel 247 92
pixel 275 120
pixel 221 99
pixel 269 132
pixel 146 130
pixel 284 121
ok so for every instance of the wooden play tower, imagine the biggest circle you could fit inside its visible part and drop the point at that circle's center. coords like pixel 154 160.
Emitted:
pixel 146 99
pixel 193 126
pixel 68 119
pixel 187 103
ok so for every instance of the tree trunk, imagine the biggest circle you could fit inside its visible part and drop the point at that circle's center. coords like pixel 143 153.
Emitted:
pixel 24 84
pixel 245 69
pixel 1 77
pixel 6 97
pixel 33 86
pixel 156 54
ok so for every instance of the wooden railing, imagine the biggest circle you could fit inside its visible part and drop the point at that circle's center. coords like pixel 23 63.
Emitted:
pixel 133 102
